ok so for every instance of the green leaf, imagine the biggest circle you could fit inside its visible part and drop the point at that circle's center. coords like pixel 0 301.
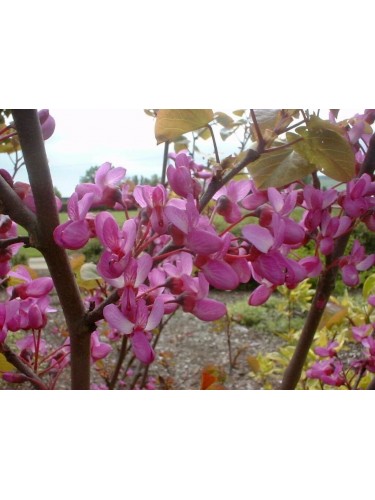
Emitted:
pixel 224 119
pixel 171 123
pixel 10 146
pixel 226 132
pixel 5 366
pixel 239 112
pixel 204 133
pixel 369 286
pixel 279 168
pixel 334 314
pixel 266 119
pixel 181 143
pixel 88 272
pixel 326 148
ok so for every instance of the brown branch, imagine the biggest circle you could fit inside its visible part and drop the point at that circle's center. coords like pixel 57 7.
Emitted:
pixel 97 314
pixel 12 241
pixel 12 205
pixel 217 181
pixel 324 289
pixel 14 360
pixel 32 144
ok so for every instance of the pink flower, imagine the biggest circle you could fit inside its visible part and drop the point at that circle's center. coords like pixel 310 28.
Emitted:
pixel 36 288
pixel 105 190
pixel 331 228
pixel 200 236
pixel 228 197
pixel 154 198
pixel 255 199
pixel 118 244
pixel 362 331
pixel 260 295
pixel 76 232
pixel 47 123
pixel 356 261
pixel 327 352
pixel 194 299
pixel 29 343
pixel 99 350
pixel 359 196
pixel 180 178
pixel 329 371
pixel 138 329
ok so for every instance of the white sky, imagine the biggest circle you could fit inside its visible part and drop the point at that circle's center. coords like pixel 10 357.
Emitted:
pixel 84 138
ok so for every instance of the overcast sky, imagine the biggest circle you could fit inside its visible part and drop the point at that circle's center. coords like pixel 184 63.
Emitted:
pixel 84 138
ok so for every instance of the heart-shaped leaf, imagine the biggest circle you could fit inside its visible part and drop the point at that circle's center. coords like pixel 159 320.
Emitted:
pixel 325 147
pixel 172 123
pixel 279 168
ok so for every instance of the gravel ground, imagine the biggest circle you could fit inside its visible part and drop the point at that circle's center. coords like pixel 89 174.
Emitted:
pixel 188 345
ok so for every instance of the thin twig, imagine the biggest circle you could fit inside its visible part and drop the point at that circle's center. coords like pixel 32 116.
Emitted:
pixel 14 360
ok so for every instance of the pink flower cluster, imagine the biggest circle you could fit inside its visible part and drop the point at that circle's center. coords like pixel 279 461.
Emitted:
pixel 170 254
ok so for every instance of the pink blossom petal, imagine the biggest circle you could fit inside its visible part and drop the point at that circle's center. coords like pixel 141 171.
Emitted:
pixel 177 217
pixel 350 275
pixel 254 200
pixel 366 263
pixel 260 295
pixel 72 235
pixel 117 320
pixel 129 230
pixel 39 287
pixel 259 236
pixel 203 242
pixel 142 348
pixel 220 275
pixel 209 309
pixel 101 174
pixel 110 266
pixel 99 350
pixel 270 267
pixel 276 199
pixel 242 269
pixel 114 176
pixel 144 265
pixel 294 233
pixel 312 265
pixel 156 314
pixel 326 246
pixel 237 190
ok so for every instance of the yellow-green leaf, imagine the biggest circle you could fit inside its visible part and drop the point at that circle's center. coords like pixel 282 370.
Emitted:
pixel 10 146
pixel 88 272
pixel 88 277
pixel 172 123
pixel 180 143
pixel 369 286
pixel 253 363
pixel 226 132
pixel 327 149
pixel 224 119
pixel 204 133
pixel 5 366
pixel 333 314
pixel 279 168
pixel 239 112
